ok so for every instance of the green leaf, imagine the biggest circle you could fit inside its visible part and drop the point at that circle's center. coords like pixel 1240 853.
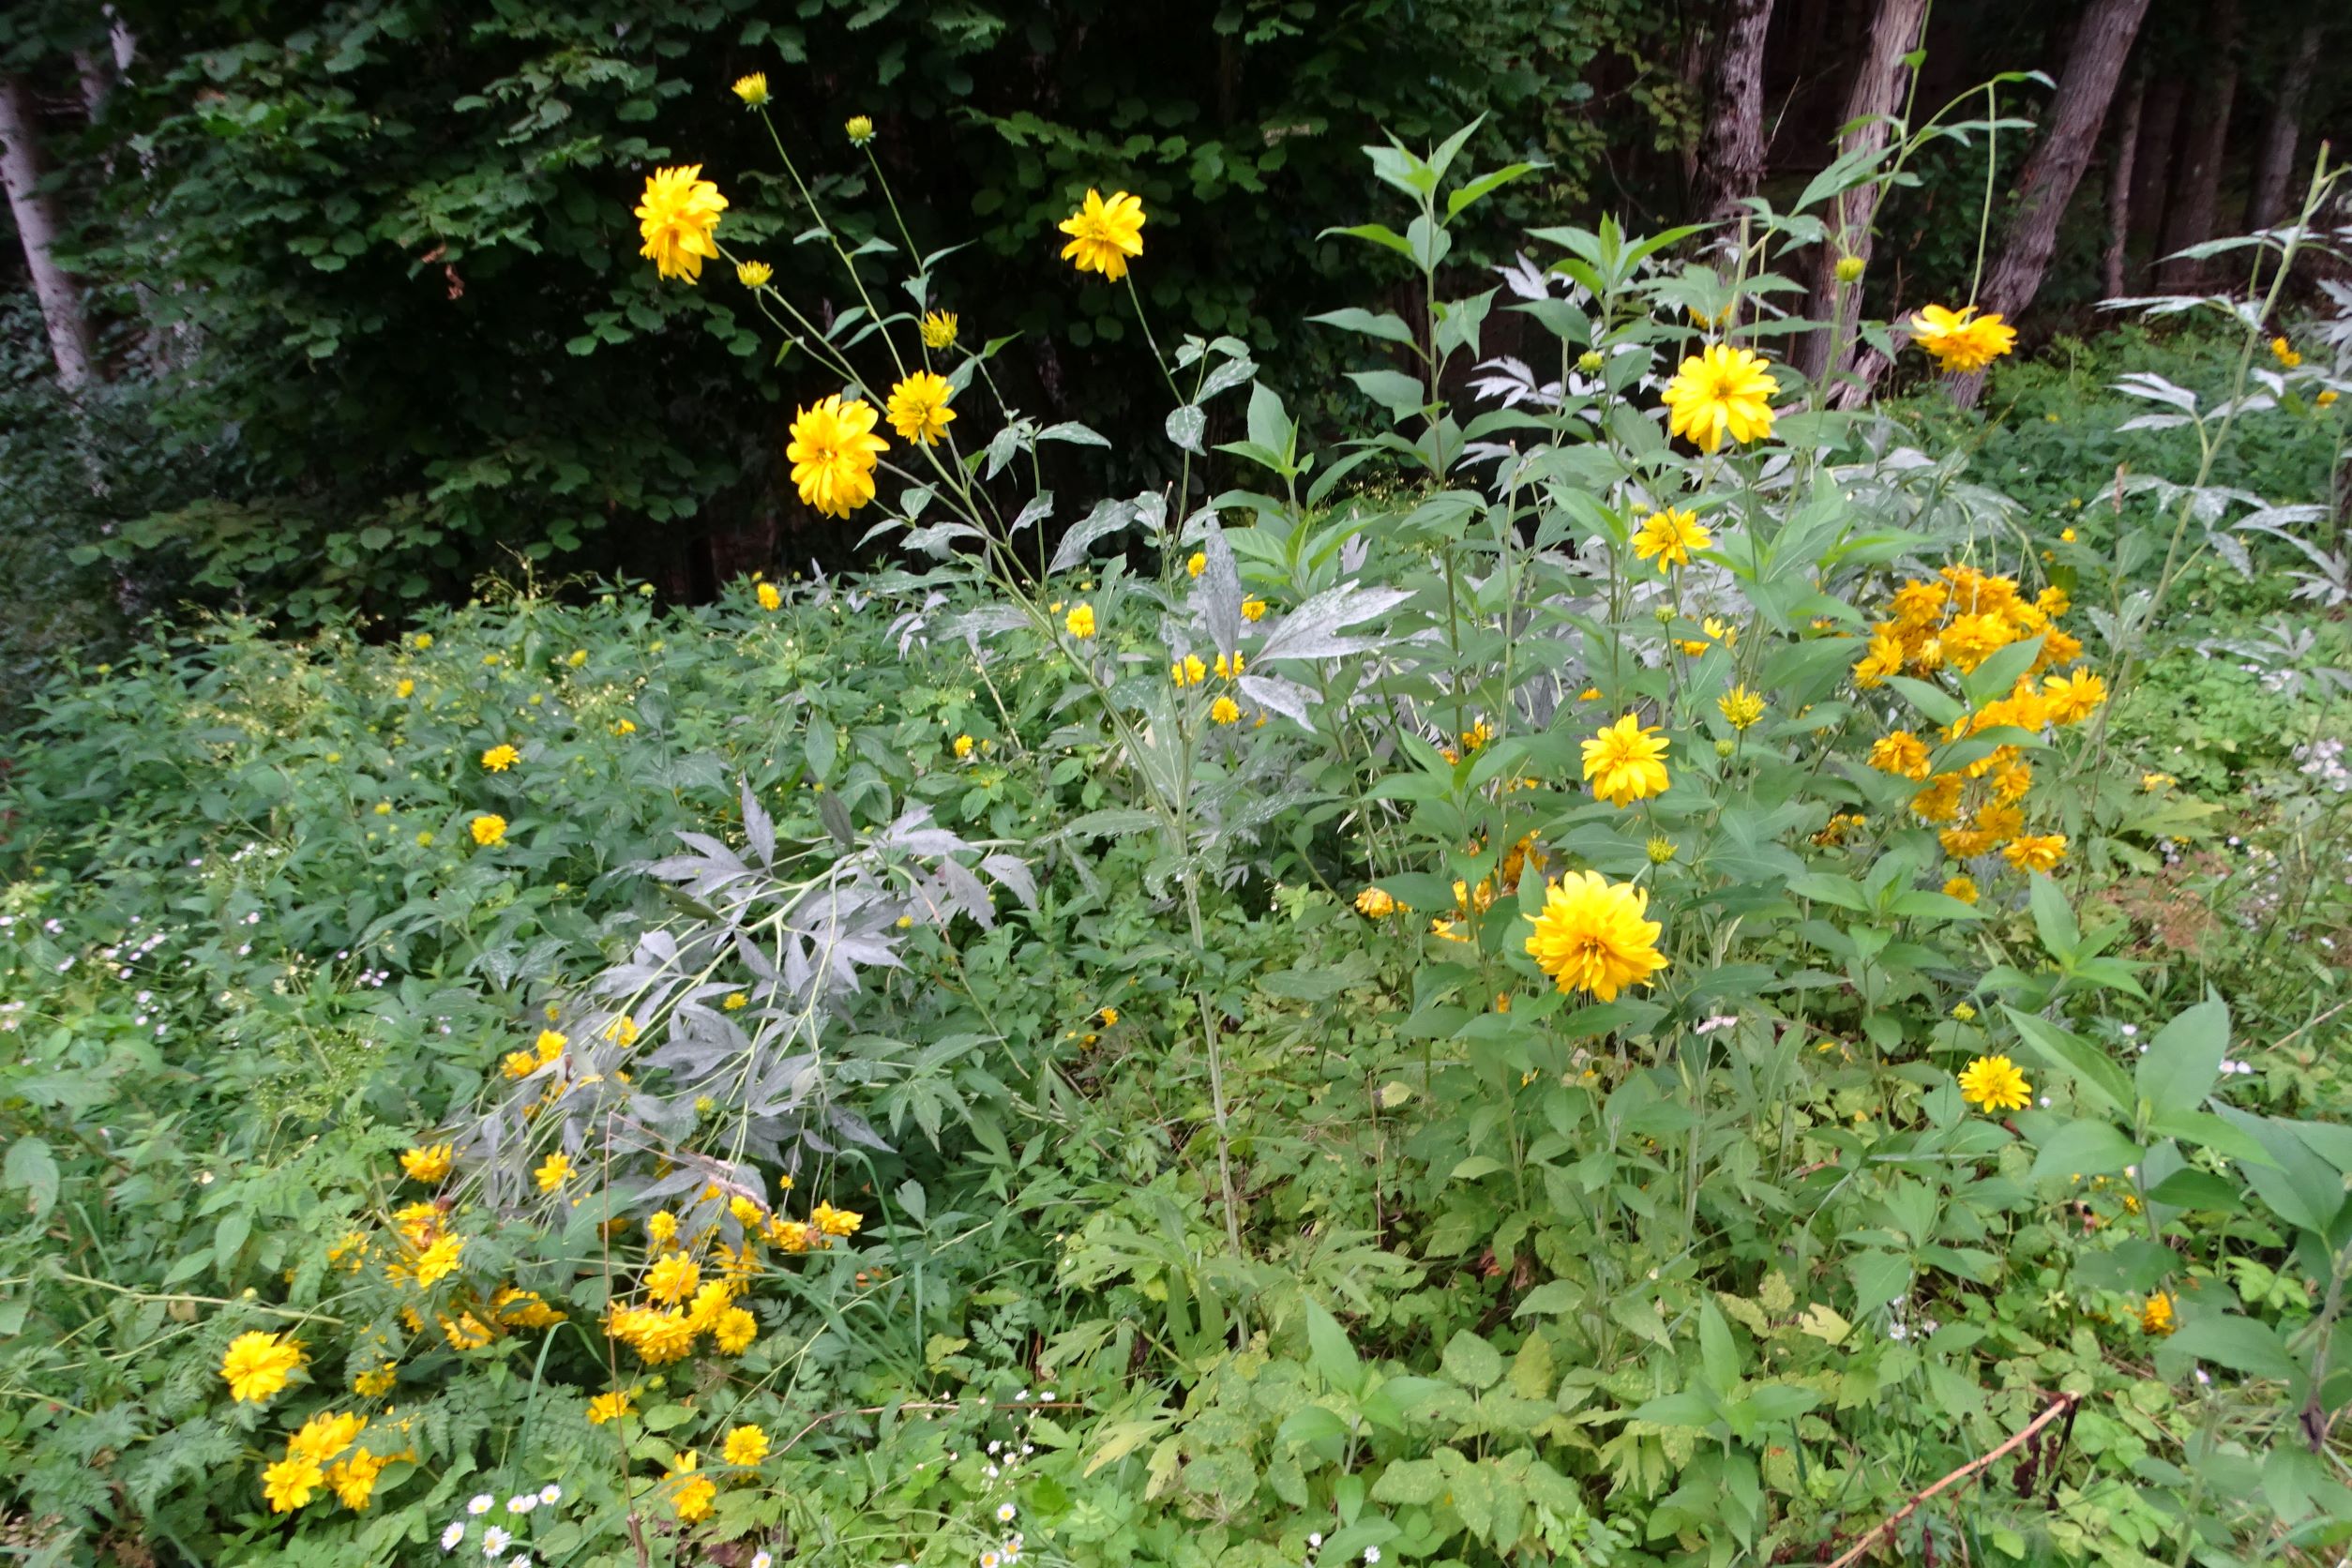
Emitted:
pixel 2095 1074
pixel 1329 1352
pixel 32 1168
pixel 1687 1408
pixel 2239 1344
pixel 1484 186
pixel 1878 1277
pixel 1471 1361
pixel 1393 391
pixel 2183 1062
pixel 1383 325
pixel 2085 1147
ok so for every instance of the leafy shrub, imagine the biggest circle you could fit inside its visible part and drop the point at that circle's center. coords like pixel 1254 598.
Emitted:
pixel 1585 1000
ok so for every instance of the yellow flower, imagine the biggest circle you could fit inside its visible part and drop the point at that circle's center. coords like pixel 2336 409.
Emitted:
pixel 1228 668
pixel 833 452
pixel 2285 353
pixel 1103 234
pixel 672 1278
pixel 1668 538
pixel 625 727
pixel 1901 753
pixel 734 1329
pixel 1080 622
pixel 752 90
pixel 404 689
pixel 753 274
pixel 621 1031
pixel 1225 711
pixel 860 128
pixel 1661 851
pixel 257 1364
pixel 939 329
pixel 2156 1314
pixel 1962 340
pixel 2066 535
pixel 745 1445
pixel 2325 399
pixel 2073 698
pixel 375 1382
pixel 1965 1013
pixel 2034 852
pixel 1721 391
pixel 1188 671
pixel 1849 269
pixel 1962 888
pixel 963 746
pixel 1197 562
pixel 2151 782
pixel 835 1222
pixel 1992 1083
pixel 1625 763
pixel 661 1226
pixel 1374 903
pixel 1591 936
pixel 353 1480
pixel 692 1497
pixel 549 1045
pixel 325 1436
pixel 489 828
pixel 498 759
pixel 439 1260
pixel 610 1407
pixel 519 1064
pixel 554 1171
pixel 676 218
pixel 736 1001
pixel 428 1162
pixel 421 641
pixel 1253 610
pixel 1941 801
pixel 290 1482
pixel 1109 1015
pixel 1740 707
pixel 918 407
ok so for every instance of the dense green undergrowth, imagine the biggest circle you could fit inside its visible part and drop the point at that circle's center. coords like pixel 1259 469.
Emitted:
pixel 1041 1054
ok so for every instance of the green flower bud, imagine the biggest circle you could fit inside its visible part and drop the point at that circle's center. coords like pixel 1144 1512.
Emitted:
pixel 1849 269
pixel 1590 362
pixel 1661 851
pixel 1725 749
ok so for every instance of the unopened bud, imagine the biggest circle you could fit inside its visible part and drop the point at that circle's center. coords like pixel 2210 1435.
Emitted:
pixel 1665 614
pixel 1725 749
pixel 1590 362
pixel 1849 269
pixel 1661 851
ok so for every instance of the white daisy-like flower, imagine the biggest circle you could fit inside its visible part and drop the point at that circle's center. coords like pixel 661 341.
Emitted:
pixel 1371 1555
pixel 479 1505
pixel 1316 1540
pixel 518 1561
pixel 494 1541
pixel 523 1503
pixel 990 1560
pixel 450 1537
pixel 550 1494
pixel 762 1560
pixel 1004 1513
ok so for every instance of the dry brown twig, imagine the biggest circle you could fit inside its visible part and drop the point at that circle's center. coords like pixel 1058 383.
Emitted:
pixel 1885 1530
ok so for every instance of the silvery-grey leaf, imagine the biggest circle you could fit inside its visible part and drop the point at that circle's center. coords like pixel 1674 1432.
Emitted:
pixel 1039 508
pixel 1285 697
pixel 1185 426
pixel 1014 874
pixel 968 891
pixel 1216 593
pixel 1108 518
pixel 1313 630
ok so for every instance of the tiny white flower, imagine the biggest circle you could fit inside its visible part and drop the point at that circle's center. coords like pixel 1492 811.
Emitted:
pixel 518 1561
pixel 762 1560
pixel 494 1541
pixel 1371 1555
pixel 550 1494
pixel 479 1505
pixel 1316 1540
pixel 450 1537
pixel 1004 1512
pixel 523 1503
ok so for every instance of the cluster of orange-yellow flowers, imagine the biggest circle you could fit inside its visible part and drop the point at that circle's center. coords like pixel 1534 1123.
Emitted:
pixel 1958 620
pixel 326 1455
pixel 690 1284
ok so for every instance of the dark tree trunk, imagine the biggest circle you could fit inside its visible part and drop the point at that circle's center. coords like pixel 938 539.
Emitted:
pixel 1879 80
pixel 1732 151
pixel 2055 169
pixel 2127 144
pixel 2198 180
pixel 2152 169
pixel 2275 165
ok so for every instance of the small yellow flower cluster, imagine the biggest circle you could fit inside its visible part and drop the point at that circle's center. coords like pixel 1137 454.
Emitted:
pixel 1960 620
pixel 682 1301
pixel 324 1455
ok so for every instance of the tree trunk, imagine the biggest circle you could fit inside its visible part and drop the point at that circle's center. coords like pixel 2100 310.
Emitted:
pixel 2275 165
pixel 2198 182
pixel 1731 150
pixel 2127 144
pixel 1877 90
pixel 2152 169
pixel 2055 169
pixel 38 227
